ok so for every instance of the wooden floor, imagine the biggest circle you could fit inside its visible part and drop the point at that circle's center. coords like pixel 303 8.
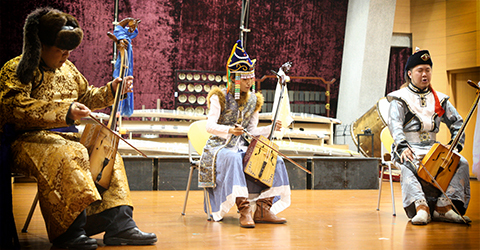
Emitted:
pixel 317 219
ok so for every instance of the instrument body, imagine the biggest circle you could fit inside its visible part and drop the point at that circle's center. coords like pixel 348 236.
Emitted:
pixel 260 161
pixel 441 168
pixel 102 147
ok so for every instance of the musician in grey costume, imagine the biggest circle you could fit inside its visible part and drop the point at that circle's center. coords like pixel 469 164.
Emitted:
pixel 221 167
pixel 416 111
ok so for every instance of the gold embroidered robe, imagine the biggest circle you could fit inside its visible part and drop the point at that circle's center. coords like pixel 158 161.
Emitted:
pixel 58 161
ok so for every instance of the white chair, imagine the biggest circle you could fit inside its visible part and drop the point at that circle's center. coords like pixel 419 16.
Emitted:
pixel 387 141
pixel 197 138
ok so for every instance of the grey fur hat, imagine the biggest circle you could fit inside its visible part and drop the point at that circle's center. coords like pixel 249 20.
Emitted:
pixel 49 27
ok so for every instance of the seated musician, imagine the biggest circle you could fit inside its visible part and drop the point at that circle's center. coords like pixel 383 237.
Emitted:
pixel 416 111
pixel 230 111
pixel 41 91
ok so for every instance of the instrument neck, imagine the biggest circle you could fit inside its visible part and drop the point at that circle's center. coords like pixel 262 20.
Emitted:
pixel 119 91
pixel 456 140
pixel 275 117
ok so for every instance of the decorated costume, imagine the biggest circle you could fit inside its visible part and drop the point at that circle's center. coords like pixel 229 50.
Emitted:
pixel 414 120
pixel 221 167
pixel 35 100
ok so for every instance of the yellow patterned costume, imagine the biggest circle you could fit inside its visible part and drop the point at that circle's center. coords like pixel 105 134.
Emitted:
pixel 56 159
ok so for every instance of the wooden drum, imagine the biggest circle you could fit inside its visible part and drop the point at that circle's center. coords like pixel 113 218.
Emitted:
pixel 374 119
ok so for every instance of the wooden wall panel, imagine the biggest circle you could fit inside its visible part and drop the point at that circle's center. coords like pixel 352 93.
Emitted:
pixel 450 30
pixel 428 25
pixel 464 95
pixel 401 22
pixel 461 24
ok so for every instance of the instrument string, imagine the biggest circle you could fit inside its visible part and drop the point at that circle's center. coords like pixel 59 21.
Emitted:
pixel 280 153
pixel 116 135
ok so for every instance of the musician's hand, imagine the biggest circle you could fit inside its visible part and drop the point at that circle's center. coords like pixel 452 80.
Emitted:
pixel 407 154
pixel 278 125
pixel 123 43
pixel 128 85
pixel 237 130
pixel 78 111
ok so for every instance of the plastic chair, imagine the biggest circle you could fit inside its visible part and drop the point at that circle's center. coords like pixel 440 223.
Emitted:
pixel 387 141
pixel 197 138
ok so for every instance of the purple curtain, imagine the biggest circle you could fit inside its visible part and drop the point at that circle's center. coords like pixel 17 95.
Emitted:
pixel 398 59
pixel 196 35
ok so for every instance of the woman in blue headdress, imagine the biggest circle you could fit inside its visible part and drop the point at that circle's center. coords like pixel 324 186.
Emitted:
pixel 221 168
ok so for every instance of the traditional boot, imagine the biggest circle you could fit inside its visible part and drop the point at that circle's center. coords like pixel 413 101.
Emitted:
pixel 423 213
pixel 263 213
pixel 444 212
pixel 243 206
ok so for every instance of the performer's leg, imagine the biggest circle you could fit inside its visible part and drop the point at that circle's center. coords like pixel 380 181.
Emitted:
pixel 119 227
pixel 459 188
pixel 280 189
pixel 243 206
pixel 414 199
pixel 230 183
pixel 110 221
pixel 60 165
pixel 411 188
pixel 458 192
pixel 75 236
pixel 279 194
pixel 444 212
pixel 263 213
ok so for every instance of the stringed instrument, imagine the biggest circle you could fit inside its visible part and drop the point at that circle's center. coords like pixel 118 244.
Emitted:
pixel 441 161
pixel 101 140
pixel 260 160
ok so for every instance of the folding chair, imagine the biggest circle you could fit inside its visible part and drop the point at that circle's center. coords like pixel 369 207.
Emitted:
pixel 197 138
pixel 387 141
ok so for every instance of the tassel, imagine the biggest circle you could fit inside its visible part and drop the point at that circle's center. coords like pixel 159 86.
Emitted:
pixel 438 108
pixel 237 86
pixel 253 86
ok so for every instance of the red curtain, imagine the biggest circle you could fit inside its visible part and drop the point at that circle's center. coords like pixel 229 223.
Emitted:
pixel 398 59
pixel 195 35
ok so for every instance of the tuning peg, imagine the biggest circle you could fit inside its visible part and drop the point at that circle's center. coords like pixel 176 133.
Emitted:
pixel 471 83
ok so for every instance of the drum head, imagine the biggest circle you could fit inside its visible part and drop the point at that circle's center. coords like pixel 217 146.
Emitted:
pixel 373 121
pixel 382 107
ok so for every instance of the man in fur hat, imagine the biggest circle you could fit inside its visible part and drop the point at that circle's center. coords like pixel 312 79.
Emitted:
pixel 416 111
pixel 42 96
pixel 221 166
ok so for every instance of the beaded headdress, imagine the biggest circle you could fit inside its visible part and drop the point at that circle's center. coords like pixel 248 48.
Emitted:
pixel 239 63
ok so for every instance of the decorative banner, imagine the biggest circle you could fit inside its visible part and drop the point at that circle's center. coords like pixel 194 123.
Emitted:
pixel 126 105
pixel 283 112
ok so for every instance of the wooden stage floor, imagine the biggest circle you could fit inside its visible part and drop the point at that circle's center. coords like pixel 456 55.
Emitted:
pixel 317 219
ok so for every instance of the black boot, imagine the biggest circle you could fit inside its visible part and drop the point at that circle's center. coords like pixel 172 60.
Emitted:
pixel 132 236
pixel 75 237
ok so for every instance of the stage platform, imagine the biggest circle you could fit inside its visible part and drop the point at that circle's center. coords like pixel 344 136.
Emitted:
pixel 170 172
pixel 162 136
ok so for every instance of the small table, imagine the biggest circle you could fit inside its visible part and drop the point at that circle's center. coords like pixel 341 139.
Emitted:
pixel 358 140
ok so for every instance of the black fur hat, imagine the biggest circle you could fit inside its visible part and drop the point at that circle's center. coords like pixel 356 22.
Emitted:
pixel 49 27
pixel 419 57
